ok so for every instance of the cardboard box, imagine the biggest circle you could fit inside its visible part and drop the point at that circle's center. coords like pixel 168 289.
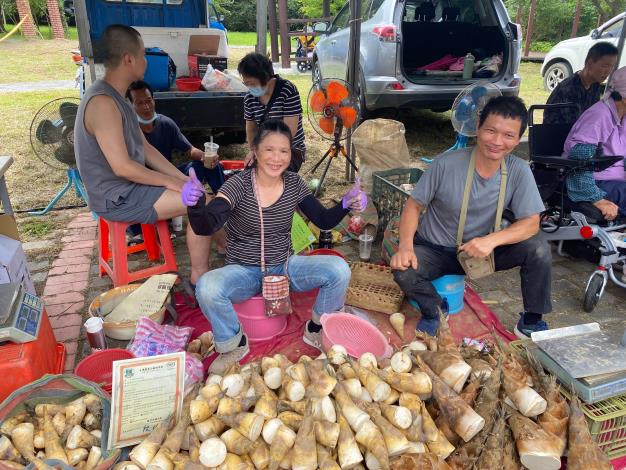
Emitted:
pixel 8 227
pixel 13 266
pixel 201 52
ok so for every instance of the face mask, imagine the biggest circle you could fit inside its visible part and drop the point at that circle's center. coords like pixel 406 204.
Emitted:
pixel 257 91
pixel 147 121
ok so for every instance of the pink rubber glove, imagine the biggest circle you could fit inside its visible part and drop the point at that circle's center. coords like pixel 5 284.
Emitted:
pixel 355 199
pixel 192 190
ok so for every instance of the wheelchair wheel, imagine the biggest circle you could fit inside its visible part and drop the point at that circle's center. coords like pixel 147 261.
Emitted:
pixel 302 67
pixel 593 292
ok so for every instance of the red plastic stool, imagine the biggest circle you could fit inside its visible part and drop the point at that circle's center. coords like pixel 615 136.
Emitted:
pixel 115 234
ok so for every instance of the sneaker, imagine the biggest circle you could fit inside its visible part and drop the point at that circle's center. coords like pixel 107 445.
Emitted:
pixel 428 325
pixel 312 339
pixel 224 360
pixel 523 330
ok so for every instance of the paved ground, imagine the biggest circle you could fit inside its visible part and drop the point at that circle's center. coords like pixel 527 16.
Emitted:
pixel 70 282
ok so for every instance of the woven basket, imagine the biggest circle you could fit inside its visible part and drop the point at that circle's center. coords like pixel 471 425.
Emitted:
pixel 372 287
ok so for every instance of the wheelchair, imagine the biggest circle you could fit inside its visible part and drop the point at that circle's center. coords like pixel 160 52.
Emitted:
pixel 564 219
pixel 304 50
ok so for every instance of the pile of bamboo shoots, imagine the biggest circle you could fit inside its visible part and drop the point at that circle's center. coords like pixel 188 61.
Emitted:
pixel 432 406
pixel 70 433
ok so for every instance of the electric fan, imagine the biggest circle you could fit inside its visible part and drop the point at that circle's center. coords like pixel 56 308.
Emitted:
pixel 467 107
pixel 52 141
pixel 333 109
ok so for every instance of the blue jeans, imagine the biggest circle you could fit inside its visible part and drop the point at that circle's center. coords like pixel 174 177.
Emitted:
pixel 615 192
pixel 219 289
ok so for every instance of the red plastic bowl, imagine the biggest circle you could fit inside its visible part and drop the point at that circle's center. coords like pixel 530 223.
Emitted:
pixel 98 366
pixel 188 83
pixel 325 251
pixel 233 164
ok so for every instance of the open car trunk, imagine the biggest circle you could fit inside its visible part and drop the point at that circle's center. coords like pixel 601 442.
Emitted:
pixel 449 40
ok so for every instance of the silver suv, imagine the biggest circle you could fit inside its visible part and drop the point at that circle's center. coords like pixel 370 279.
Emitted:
pixel 401 39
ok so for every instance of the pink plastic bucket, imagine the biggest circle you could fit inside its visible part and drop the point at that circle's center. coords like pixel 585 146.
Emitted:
pixel 255 323
pixel 358 336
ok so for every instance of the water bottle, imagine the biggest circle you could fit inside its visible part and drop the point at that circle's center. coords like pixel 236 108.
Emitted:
pixel 468 66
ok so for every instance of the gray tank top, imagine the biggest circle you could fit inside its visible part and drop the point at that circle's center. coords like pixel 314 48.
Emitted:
pixel 100 181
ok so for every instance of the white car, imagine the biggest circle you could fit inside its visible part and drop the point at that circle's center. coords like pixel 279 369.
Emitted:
pixel 568 56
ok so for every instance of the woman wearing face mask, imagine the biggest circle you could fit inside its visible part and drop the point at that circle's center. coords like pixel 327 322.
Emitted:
pixel 271 97
pixel 280 193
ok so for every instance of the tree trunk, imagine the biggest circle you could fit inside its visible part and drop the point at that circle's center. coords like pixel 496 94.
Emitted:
pixel 285 40
pixel 531 26
pixel 28 27
pixel 520 12
pixel 271 10
pixel 2 20
pixel 54 14
pixel 576 19
pixel 66 28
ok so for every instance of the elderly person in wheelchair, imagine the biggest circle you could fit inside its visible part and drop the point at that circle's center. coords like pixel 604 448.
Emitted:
pixel 601 130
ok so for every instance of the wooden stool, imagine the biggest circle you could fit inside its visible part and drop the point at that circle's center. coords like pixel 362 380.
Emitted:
pixel 118 251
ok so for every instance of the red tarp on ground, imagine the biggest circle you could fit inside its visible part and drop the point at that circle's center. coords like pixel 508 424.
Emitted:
pixel 476 321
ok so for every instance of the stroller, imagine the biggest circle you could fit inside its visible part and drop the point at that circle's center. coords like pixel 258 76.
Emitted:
pixel 304 50
pixel 564 219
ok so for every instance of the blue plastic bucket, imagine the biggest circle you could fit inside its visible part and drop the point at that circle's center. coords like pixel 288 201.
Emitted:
pixel 451 289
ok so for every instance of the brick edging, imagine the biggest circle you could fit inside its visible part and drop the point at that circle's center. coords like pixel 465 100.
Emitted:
pixel 67 281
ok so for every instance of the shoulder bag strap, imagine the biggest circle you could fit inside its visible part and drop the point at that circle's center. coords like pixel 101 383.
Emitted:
pixel 466 193
pixel 277 89
pixel 258 202
pixel 468 188
pixel 503 177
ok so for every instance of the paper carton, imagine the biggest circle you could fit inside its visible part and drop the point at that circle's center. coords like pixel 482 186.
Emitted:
pixel 201 52
pixel 13 266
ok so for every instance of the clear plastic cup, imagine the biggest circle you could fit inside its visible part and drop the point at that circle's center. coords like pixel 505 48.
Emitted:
pixel 177 223
pixel 365 246
pixel 210 154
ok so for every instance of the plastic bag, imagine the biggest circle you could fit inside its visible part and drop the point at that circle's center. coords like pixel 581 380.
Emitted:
pixel 380 145
pixel 61 389
pixel 214 80
pixel 152 339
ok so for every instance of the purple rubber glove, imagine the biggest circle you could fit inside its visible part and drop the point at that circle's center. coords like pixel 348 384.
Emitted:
pixel 355 199
pixel 192 190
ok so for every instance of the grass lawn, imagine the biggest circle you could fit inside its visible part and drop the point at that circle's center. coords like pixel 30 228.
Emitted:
pixel 45 32
pixel 33 61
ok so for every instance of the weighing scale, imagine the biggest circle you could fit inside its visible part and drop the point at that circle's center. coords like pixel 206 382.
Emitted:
pixel 20 314
pixel 585 358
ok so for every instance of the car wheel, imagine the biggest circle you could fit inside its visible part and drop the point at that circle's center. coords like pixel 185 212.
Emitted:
pixel 316 73
pixel 555 74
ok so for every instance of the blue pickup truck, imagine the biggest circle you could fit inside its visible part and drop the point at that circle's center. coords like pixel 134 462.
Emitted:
pixel 169 25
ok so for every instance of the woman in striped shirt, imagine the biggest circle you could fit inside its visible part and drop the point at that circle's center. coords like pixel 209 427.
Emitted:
pixel 280 192
pixel 271 97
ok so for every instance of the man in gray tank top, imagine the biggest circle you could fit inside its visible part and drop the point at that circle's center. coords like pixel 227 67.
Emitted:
pixel 435 205
pixel 126 178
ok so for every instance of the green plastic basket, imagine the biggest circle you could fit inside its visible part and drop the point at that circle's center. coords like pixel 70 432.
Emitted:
pixel 388 197
pixel 606 419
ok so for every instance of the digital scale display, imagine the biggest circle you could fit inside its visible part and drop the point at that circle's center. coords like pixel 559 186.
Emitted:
pixel 20 314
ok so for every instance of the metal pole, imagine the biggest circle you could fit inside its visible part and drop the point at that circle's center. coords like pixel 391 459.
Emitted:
pixel 353 70
pixel 271 9
pixel 285 41
pixel 84 39
pixel 261 26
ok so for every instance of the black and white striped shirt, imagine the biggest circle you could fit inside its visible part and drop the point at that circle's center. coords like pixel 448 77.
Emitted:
pixel 287 103
pixel 243 229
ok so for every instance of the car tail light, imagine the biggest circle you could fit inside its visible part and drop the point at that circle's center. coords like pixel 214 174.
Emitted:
pixel 514 82
pixel 395 86
pixel 385 33
pixel 586 232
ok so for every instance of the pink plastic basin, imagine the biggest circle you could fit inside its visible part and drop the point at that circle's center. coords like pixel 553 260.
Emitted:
pixel 257 325
pixel 358 336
